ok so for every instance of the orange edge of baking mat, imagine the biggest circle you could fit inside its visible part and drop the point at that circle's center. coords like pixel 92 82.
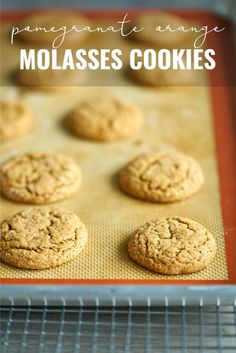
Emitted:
pixel 224 108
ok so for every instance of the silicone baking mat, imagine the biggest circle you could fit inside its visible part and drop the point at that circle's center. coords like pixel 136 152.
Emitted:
pixel 175 118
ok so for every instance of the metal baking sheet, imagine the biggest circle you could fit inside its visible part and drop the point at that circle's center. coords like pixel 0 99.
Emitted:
pixel 194 120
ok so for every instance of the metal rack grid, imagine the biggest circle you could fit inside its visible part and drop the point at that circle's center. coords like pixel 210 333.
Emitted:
pixel 146 329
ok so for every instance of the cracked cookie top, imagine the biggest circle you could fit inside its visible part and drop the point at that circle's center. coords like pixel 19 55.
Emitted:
pixel 161 177
pixel 40 178
pixel 105 118
pixel 16 119
pixel 38 238
pixel 172 246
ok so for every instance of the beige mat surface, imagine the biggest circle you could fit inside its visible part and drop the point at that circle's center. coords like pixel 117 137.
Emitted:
pixel 179 118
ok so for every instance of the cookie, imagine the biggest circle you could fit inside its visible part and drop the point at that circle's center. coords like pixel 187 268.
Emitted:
pixel 164 78
pixel 38 238
pixel 16 120
pixel 51 80
pixel 40 178
pixel 161 177
pixel 172 246
pixel 105 118
pixel 57 19
pixel 164 38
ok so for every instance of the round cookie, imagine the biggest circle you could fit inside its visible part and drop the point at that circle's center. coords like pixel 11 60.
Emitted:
pixel 105 118
pixel 161 177
pixel 172 246
pixel 164 78
pixel 164 39
pixel 40 178
pixel 38 238
pixel 16 120
pixel 51 80
pixel 57 19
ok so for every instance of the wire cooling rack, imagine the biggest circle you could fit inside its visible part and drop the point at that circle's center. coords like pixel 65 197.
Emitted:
pixel 116 329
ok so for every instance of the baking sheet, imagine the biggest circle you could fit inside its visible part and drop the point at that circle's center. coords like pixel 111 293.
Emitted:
pixel 173 119
pixel 179 118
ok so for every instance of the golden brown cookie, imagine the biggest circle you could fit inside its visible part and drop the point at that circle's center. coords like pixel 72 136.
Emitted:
pixel 172 246
pixel 16 119
pixel 57 19
pixel 38 238
pixel 163 39
pixel 164 78
pixel 51 80
pixel 105 118
pixel 161 177
pixel 40 178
